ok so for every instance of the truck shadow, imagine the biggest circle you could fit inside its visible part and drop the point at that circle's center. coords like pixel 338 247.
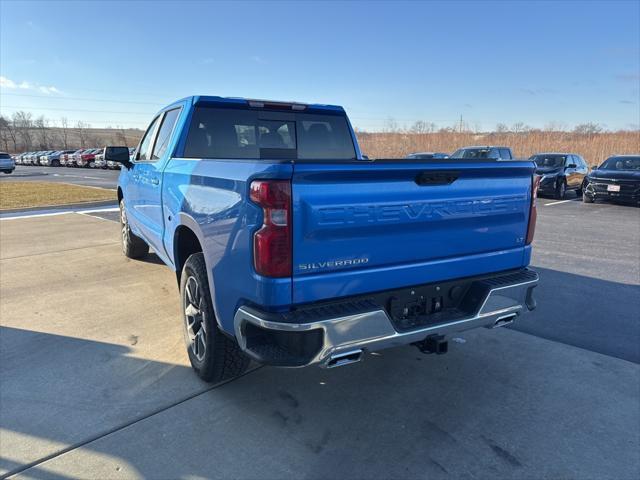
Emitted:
pixel 586 312
pixel 399 414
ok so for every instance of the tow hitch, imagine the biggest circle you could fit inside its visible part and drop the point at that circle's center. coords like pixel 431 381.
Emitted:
pixel 433 344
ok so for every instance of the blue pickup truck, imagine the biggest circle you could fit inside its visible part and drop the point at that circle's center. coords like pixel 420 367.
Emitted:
pixel 291 248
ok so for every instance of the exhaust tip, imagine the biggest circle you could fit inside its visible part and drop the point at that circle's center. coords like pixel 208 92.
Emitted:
pixel 345 358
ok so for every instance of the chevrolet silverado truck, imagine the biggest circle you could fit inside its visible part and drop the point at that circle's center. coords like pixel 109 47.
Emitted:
pixel 291 248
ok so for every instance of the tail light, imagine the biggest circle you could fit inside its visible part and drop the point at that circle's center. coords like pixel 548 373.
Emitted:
pixel 533 210
pixel 272 243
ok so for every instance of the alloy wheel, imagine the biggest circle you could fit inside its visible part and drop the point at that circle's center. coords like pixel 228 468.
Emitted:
pixel 194 318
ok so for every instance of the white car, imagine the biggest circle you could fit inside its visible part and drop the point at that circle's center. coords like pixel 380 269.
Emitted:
pixel 100 162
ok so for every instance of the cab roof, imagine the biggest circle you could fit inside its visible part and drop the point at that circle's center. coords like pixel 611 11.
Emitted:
pixel 257 103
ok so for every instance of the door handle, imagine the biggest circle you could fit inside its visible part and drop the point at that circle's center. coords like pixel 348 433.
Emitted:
pixel 155 181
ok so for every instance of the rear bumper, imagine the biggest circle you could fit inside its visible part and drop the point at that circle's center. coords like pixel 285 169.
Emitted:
pixel 321 335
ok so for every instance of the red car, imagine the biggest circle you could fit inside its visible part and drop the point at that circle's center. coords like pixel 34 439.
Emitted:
pixel 86 158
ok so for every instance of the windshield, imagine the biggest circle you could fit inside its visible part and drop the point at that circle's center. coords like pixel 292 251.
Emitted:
pixel 476 153
pixel 621 163
pixel 548 161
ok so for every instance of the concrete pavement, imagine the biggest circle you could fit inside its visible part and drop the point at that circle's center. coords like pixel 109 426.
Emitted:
pixel 96 383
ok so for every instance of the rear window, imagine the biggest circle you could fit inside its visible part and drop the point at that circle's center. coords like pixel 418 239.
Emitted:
pixel 5 155
pixel 263 134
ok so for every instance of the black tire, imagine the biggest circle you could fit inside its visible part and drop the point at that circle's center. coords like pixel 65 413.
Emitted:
pixel 561 190
pixel 213 356
pixel 55 163
pixel 132 245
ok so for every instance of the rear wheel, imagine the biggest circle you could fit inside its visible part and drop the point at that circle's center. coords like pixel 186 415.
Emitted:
pixel 132 245
pixel 561 189
pixel 214 356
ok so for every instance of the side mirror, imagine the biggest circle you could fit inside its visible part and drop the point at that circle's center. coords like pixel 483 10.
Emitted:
pixel 117 154
pixel 595 167
pixel 572 165
pixel 365 157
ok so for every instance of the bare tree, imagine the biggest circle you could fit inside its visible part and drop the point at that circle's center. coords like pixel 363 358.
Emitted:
pixel 588 128
pixel 23 124
pixel 4 132
pixel 41 125
pixel 390 126
pixel 502 128
pixel 520 127
pixel 121 138
pixel 64 132
pixel 12 134
pixel 81 129
pixel 422 127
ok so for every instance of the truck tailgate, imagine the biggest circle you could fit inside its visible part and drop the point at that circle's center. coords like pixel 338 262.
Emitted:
pixel 368 226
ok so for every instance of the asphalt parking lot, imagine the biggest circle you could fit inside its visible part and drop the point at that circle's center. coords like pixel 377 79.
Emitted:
pixel 96 383
pixel 92 177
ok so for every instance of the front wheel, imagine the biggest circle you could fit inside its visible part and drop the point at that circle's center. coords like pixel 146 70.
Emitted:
pixel 561 190
pixel 132 245
pixel 214 356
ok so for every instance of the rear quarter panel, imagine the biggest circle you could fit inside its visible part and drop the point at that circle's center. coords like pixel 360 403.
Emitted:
pixel 211 198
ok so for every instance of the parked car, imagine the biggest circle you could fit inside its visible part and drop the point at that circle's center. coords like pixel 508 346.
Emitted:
pixel 559 173
pixel 485 152
pixel 77 157
pixel 69 160
pixel 427 155
pixel 41 157
pixel 87 157
pixel 54 159
pixel 617 179
pixel 100 162
pixel 44 158
pixel 286 253
pixel 18 159
pixel 32 158
pixel 7 164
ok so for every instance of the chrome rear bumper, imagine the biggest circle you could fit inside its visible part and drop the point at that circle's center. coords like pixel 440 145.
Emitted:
pixel 371 329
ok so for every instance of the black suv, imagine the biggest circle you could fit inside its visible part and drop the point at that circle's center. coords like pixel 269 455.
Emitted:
pixel 560 172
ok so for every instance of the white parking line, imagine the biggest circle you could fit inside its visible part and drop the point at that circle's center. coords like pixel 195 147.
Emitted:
pixel 62 212
pixel 557 203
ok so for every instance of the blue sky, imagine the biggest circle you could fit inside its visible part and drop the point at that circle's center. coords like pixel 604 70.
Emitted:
pixel 110 63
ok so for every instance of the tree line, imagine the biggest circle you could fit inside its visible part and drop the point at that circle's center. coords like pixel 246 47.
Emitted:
pixel 23 132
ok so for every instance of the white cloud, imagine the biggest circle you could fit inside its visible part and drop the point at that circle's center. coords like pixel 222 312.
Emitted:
pixel 11 85
pixel 6 83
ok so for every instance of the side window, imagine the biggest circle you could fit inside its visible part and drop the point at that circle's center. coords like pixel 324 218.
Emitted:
pixel 494 153
pixel 571 159
pixel 164 133
pixel 505 154
pixel 145 147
